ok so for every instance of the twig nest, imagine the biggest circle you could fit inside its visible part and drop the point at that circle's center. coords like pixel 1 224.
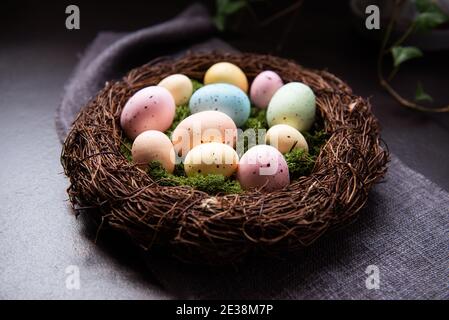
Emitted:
pixel 184 221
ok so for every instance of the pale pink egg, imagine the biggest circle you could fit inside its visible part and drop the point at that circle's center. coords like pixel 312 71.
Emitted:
pixel 153 145
pixel 203 127
pixel 263 88
pixel 263 166
pixel 151 108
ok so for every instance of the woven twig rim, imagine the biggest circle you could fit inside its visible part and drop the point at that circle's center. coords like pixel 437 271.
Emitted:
pixel 195 226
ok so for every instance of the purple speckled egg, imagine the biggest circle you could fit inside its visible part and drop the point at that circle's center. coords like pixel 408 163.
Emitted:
pixel 151 108
pixel 263 166
pixel 263 88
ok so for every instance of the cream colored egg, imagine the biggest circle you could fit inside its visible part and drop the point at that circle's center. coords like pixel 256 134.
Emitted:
pixel 225 72
pixel 153 145
pixel 211 158
pixel 180 86
pixel 285 138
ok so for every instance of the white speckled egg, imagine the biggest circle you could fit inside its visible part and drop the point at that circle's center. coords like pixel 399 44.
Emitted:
pixel 151 108
pixel 153 145
pixel 292 104
pixel 263 166
pixel 285 138
pixel 263 88
pixel 225 72
pixel 203 127
pixel 222 97
pixel 211 158
pixel 180 86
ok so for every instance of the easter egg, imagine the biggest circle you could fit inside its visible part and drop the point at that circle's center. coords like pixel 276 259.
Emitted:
pixel 222 97
pixel 180 86
pixel 151 108
pixel 203 127
pixel 292 104
pixel 263 88
pixel 225 72
pixel 153 145
pixel 263 167
pixel 211 158
pixel 285 138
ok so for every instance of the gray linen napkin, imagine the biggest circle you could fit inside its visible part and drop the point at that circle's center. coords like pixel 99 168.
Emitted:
pixel 397 249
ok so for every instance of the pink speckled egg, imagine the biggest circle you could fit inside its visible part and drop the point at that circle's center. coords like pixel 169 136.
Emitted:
pixel 263 166
pixel 263 88
pixel 151 108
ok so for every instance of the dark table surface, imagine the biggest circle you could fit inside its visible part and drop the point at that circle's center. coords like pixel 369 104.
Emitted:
pixel 39 236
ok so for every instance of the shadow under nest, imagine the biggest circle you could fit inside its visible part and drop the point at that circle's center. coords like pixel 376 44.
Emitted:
pixel 197 227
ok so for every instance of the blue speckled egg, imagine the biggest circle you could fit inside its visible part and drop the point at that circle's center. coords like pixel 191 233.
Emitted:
pixel 222 97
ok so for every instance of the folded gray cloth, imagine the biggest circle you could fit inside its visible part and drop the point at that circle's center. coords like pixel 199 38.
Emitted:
pixel 397 249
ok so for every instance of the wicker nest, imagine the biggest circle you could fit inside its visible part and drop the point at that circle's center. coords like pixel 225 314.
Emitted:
pixel 197 227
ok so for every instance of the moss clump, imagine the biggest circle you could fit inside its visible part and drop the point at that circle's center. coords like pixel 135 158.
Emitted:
pixel 211 184
pixel 257 119
pixel 301 163
pixel 315 140
pixel 196 84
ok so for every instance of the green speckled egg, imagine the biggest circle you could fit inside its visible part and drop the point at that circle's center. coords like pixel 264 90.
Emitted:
pixel 292 104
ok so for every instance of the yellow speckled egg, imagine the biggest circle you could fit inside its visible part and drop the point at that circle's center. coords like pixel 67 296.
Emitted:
pixel 285 138
pixel 153 145
pixel 180 86
pixel 225 72
pixel 211 158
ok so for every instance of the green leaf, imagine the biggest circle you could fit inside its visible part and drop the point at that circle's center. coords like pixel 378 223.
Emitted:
pixel 224 9
pixel 402 54
pixel 421 95
pixel 229 6
pixel 219 21
pixel 429 20
pixel 430 15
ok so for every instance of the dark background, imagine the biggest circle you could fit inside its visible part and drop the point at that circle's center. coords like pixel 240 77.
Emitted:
pixel 39 237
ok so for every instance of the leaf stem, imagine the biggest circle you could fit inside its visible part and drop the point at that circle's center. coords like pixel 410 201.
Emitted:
pixel 385 83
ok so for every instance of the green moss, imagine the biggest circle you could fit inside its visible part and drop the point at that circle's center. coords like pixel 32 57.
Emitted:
pixel 257 119
pixel 315 140
pixel 300 163
pixel 211 184
pixel 196 84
